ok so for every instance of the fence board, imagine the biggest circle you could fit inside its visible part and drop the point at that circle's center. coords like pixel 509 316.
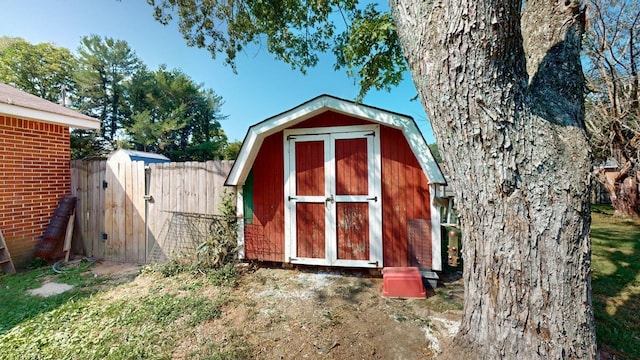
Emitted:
pixel 130 248
pixel 210 188
pixel 100 210
pixel 122 213
pixel 75 189
pixel 191 186
pixel 139 213
pixel 202 176
pixel 110 225
pixel 171 192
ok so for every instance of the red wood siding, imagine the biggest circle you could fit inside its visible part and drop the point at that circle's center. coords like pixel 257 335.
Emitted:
pixel 264 239
pixel 405 195
pixel 330 118
pixel 34 174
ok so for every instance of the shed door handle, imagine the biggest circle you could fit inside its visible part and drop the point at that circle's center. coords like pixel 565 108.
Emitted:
pixel 330 199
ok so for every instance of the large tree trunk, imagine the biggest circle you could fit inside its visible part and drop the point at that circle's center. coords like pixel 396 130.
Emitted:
pixel 626 202
pixel 507 112
pixel 622 188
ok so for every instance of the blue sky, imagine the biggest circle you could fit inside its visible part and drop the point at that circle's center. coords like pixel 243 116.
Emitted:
pixel 262 88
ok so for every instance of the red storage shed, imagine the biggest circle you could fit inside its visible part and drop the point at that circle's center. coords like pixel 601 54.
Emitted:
pixel 335 183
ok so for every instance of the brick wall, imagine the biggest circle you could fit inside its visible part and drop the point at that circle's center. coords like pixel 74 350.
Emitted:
pixel 34 174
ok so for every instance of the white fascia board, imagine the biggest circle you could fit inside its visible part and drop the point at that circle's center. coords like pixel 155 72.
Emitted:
pixel 240 217
pixel 423 154
pixel 238 173
pixel 44 116
pixel 367 113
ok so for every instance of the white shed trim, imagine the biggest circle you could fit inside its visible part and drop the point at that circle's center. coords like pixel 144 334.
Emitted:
pixel 258 132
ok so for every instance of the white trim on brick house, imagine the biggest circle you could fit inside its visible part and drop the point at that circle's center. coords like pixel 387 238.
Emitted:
pixel 19 104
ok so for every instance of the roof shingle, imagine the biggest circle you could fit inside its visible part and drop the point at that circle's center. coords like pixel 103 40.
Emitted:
pixel 18 103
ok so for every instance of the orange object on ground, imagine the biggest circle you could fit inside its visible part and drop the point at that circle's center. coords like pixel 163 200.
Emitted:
pixel 402 282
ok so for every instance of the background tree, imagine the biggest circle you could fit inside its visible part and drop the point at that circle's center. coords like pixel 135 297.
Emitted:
pixel 232 150
pixel 88 145
pixel 173 115
pixel 104 67
pixel 48 71
pixel 45 70
pixel 613 102
pixel 503 86
pixel 436 152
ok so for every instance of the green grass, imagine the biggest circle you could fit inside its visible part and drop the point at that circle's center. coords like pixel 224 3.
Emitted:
pixel 18 307
pixel 616 282
pixel 99 320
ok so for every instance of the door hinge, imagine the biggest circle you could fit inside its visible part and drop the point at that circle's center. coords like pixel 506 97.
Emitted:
pixel 292 198
pixel 375 198
pixel 104 184
pixel 104 237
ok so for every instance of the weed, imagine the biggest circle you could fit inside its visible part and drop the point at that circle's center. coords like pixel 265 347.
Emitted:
pixel 191 286
pixel 400 318
pixel 261 279
pixel 225 276
pixel 332 317
pixel 445 299
pixel 167 269
pixel 222 247
pixel 35 263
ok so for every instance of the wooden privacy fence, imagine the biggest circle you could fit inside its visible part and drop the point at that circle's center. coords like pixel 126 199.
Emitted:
pixel 124 208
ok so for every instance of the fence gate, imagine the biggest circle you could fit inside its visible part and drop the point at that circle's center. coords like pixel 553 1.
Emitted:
pixel 123 210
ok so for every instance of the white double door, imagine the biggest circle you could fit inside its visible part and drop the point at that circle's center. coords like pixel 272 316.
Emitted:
pixel 333 211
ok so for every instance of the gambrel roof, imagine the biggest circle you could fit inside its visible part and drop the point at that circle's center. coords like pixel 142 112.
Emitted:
pixel 258 132
pixel 19 104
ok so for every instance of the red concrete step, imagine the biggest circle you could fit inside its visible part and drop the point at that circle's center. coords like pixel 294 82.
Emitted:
pixel 402 282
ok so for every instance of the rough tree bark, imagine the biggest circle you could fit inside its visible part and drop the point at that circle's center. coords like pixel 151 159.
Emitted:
pixel 503 90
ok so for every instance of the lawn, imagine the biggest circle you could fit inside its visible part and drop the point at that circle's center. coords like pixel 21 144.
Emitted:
pixel 163 313
pixel 616 283
pixel 106 317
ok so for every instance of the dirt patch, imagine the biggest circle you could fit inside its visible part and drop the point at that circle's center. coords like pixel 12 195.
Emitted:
pixel 291 314
pixel 50 289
